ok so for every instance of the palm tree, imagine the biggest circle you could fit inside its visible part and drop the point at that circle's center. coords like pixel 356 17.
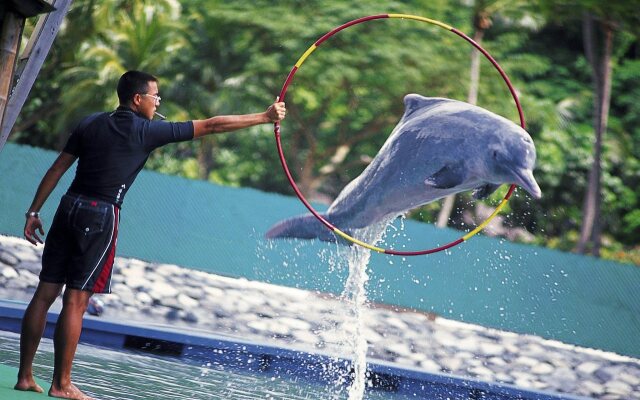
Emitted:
pixel 140 35
pixel 600 22
pixel 600 62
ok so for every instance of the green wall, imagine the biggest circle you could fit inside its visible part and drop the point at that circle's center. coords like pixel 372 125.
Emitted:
pixel 491 282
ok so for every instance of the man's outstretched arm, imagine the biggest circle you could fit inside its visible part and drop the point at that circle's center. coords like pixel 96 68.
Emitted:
pixel 228 123
pixel 48 183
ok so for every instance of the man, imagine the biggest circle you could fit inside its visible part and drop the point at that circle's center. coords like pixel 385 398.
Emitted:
pixel 111 148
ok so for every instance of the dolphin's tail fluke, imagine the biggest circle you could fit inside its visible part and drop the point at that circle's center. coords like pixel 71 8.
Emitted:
pixel 302 227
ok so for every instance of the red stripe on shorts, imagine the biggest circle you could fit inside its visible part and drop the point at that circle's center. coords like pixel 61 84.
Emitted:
pixel 102 280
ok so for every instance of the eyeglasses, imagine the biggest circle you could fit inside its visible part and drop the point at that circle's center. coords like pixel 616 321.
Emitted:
pixel 156 98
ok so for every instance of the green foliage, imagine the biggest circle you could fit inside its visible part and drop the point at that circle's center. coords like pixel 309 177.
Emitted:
pixel 218 57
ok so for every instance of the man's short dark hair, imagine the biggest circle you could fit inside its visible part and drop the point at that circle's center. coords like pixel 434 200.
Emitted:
pixel 132 82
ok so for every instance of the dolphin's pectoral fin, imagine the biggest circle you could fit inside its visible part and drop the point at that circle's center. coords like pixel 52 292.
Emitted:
pixel 447 177
pixel 484 191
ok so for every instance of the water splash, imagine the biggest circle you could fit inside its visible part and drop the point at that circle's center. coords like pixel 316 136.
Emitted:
pixel 355 294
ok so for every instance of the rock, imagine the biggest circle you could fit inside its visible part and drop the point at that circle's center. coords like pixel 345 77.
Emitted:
pixel 588 367
pixel 127 297
pixel 133 264
pixel 469 344
pixel 400 349
pixel 603 375
pixel 268 326
pixel 418 357
pixel 295 323
pixel 633 380
pixel 118 288
pixel 491 349
pixel 167 269
pixel 481 372
pixel 618 388
pixel 371 336
pixel 222 313
pixel 523 382
pixel 194 292
pixel 95 307
pixel 444 338
pixel 187 302
pixel 503 377
pixel 31 266
pixel 170 302
pixel 144 298
pixel 265 312
pixel 539 385
pixel 161 290
pixel 396 323
pixel 304 337
pixel 276 303
pixel 214 292
pixel 251 301
pixel 565 373
pixel 474 361
pixel 511 348
pixel 9 273
pixel 16 284
pixel 542 368
pixel 497 361
pixel 332 336
pixel 24 253
pixel 526 361
pixel 8 258
pixel 430 365
pixel 592 388
pixel 137 282
pixel 173 314
pixel 29 278
pixel 451 364
pixel 190 317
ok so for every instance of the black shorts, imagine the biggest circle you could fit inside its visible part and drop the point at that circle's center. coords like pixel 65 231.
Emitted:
pixel 81 244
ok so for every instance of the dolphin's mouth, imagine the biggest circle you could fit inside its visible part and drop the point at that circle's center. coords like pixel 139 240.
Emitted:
pixel 525 179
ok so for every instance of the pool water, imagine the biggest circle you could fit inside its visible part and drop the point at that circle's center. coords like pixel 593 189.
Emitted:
pixel 108 374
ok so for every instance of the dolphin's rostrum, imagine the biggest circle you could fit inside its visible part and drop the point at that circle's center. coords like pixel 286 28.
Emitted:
pixel 439 147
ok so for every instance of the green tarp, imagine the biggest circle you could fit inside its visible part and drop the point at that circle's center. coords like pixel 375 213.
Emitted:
pixel 491 282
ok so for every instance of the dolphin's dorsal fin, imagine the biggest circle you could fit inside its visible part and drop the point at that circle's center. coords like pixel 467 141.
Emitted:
pixel 414 102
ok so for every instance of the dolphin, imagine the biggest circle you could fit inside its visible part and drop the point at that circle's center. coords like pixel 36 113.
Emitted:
pixel 439 147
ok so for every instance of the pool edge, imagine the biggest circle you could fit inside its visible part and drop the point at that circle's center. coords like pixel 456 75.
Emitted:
pixel 200 346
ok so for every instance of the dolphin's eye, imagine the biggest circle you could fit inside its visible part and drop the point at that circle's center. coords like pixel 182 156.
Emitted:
pixel 495 154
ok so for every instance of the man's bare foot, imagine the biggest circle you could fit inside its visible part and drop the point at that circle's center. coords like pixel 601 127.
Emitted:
pixel 28 385
pixel 68 392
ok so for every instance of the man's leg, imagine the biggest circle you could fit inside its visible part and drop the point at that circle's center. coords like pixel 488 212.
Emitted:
pixel 65 342
pixel 33 324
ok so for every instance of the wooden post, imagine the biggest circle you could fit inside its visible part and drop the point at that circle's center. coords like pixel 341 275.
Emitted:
pixel 12 27
pixel 30 64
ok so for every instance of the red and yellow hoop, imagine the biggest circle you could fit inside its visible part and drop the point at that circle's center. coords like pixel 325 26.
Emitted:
pixel 323 220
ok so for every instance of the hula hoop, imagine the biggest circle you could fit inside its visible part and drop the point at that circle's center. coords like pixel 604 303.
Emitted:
pixel 293 184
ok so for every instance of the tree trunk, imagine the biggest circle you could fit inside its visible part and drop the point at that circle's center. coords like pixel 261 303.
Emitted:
pixel 472 98
pixel 205 158
pixel 474 77
pixel 10 36
pixel 601 75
